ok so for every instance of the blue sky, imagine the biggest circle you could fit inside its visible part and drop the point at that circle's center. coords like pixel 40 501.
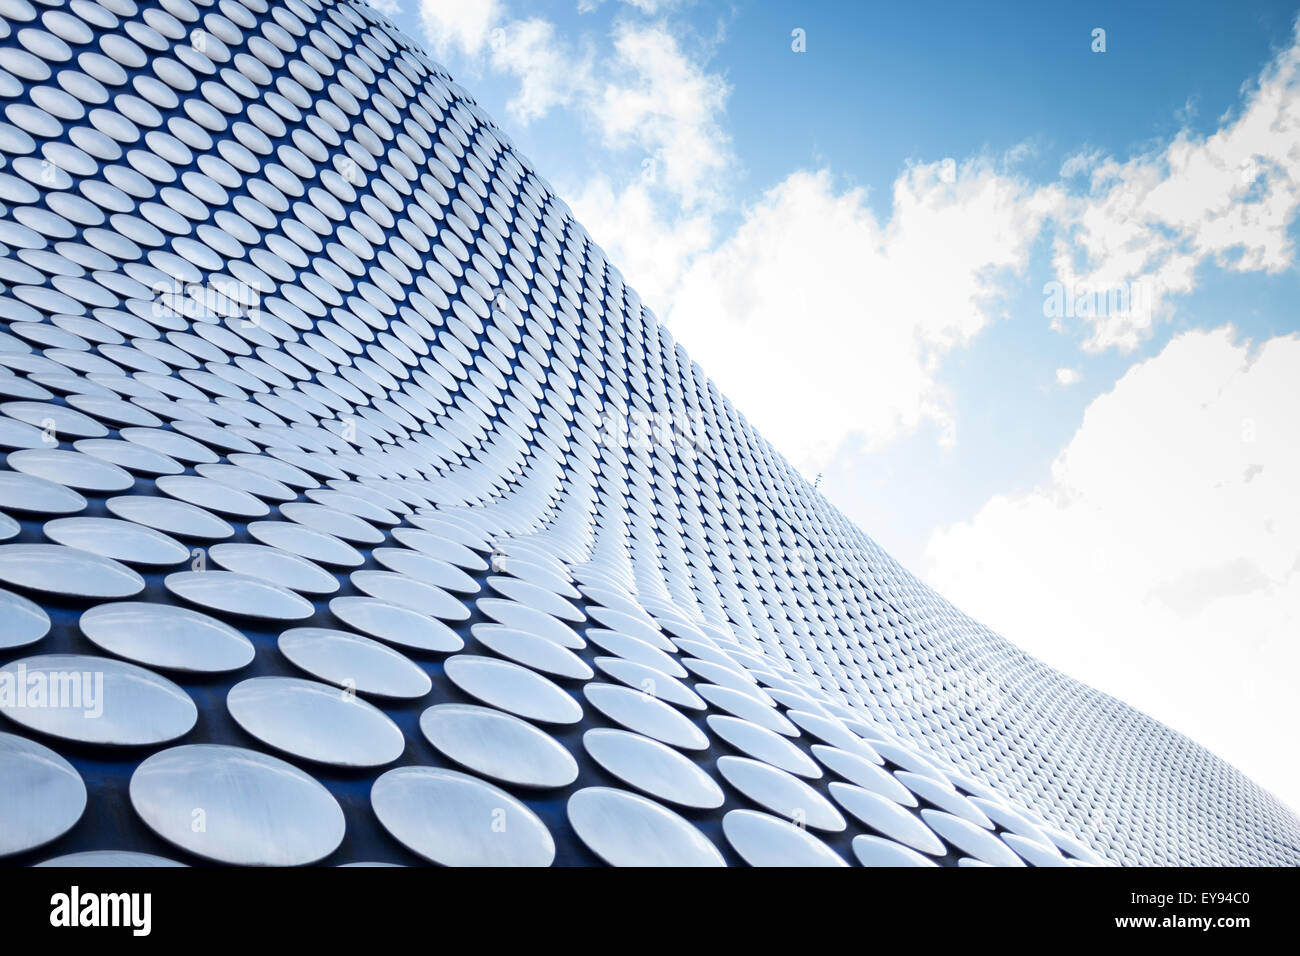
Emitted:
pixel 1116 492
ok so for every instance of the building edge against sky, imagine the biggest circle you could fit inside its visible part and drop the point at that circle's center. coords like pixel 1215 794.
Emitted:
pixel 443 420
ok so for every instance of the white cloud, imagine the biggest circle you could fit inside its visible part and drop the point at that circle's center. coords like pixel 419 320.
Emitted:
pixel 879 305
pixel 641 234
pixel 660 101
pixel 876 305
pixel 645 94
pixel 656 111
pixel 929 277
pixel 1080 164
pixel 1152 220
pixel 649 7
pixel 1132 238
pixel 924 282
pixel 1161 561
pixel 656 103
pixel 550 73
pixel 458 25
pixel 648 101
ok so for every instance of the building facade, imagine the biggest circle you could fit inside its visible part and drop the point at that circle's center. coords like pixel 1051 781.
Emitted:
pixel 355 509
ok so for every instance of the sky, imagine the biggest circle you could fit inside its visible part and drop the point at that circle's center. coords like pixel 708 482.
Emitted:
pixel 1016 284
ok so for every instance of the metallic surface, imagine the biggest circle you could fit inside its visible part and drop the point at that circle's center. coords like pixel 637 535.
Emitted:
pixel 306 374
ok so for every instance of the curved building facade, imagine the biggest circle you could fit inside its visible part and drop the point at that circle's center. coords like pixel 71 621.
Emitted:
pixel 354 509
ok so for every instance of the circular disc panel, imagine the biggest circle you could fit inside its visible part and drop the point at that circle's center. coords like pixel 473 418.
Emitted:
pixel 624 829
pixel 41 795
pixel 652 768
pixel 66 572
pixel 239 594
pixel 765 840
pixel 498 745
pixel 646 715
pixel 781 793
pixel 396 625
pixel 354 662
pixel 887 818
pixel 120 540
pixel 22 622
pixel 95 700
pixel 877 851
pixel 512 688
pixel 458 820
pixel 236 806
pixel 315 721
pixel 166 636
pixel 115 859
